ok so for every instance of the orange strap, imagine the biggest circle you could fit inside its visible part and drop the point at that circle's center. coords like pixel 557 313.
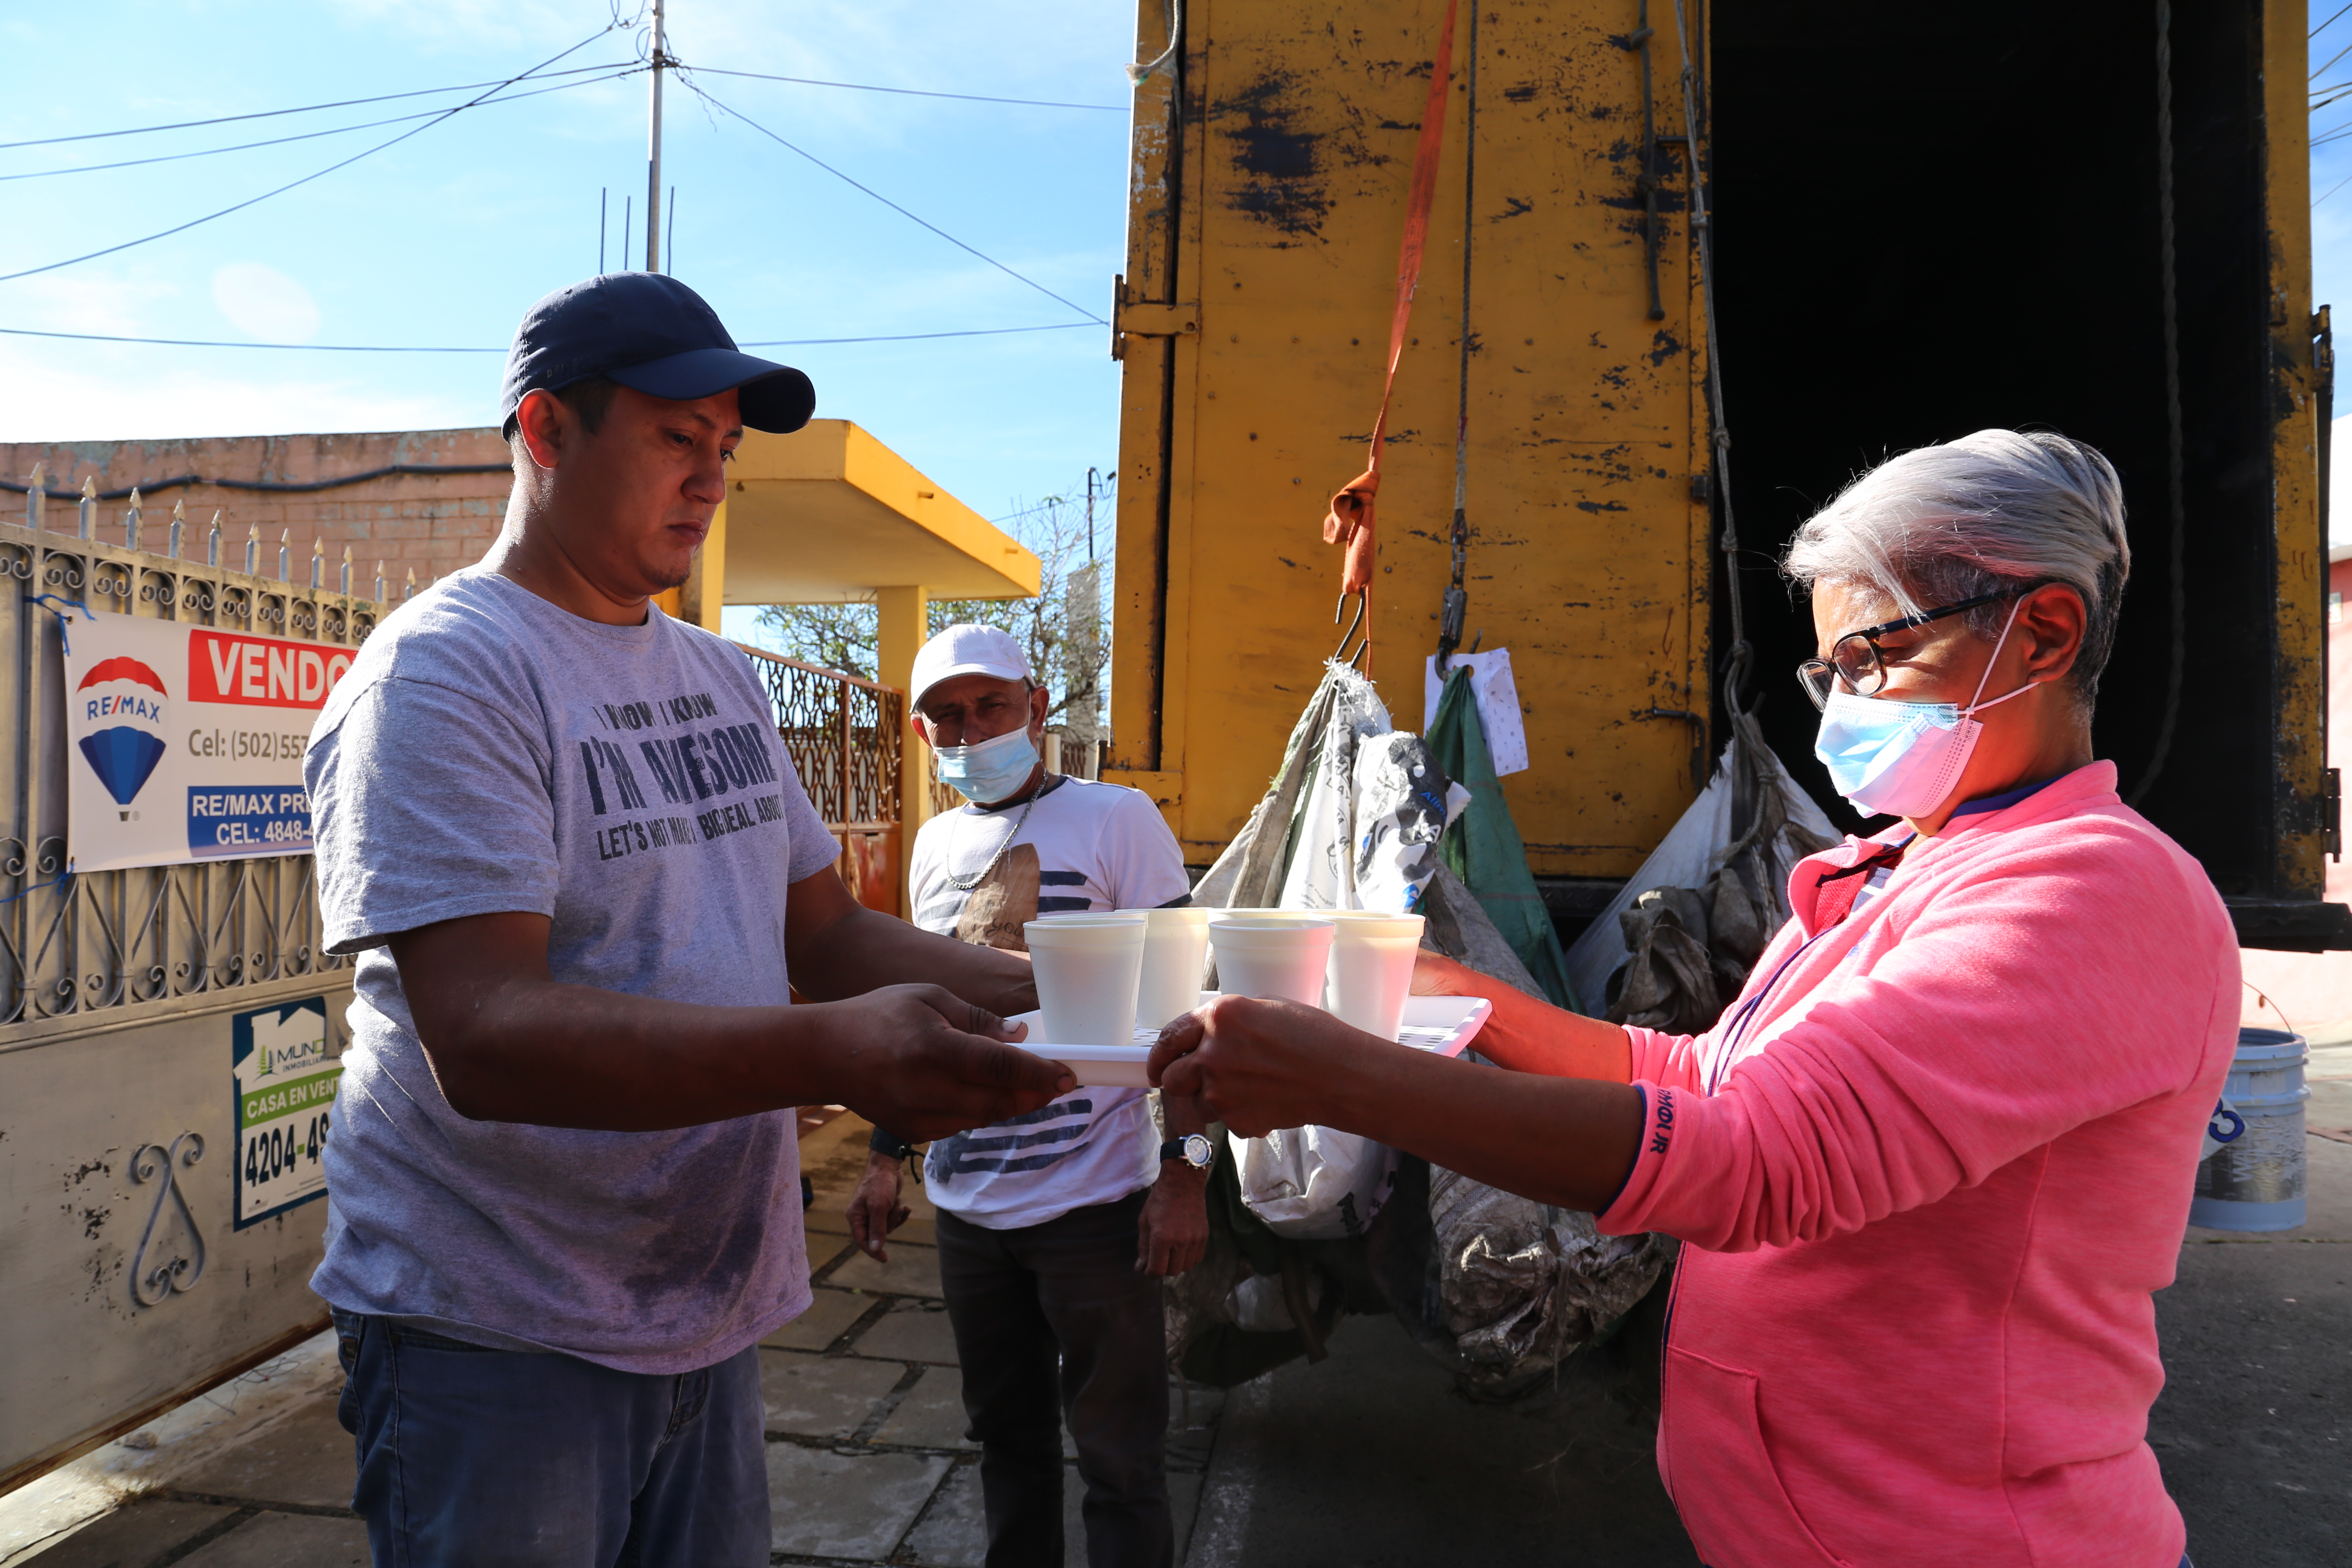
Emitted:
pixel 1349 520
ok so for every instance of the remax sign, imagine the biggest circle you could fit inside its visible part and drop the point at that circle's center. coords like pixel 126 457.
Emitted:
pixel 264 672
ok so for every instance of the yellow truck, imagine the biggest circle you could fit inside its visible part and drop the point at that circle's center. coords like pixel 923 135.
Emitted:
pixel 1916 222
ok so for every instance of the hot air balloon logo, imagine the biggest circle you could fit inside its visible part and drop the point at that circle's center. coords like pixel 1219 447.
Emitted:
pixel 123 722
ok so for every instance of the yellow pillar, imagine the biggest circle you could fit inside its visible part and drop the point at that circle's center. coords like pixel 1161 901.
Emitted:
pixel 705 589
pixel 905 626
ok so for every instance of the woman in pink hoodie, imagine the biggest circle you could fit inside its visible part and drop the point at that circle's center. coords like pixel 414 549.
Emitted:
pixel 1933 1162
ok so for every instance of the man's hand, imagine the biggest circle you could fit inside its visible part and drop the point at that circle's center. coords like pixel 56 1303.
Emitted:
pixel 1257 1065
pixel 874 1212
pixel 924 1063
pixel 1173 1232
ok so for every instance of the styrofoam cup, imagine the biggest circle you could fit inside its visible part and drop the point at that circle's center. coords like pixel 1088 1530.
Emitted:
pixel 1370 969
pixel 1087 966
pixel 1282 959
pixel 1175 952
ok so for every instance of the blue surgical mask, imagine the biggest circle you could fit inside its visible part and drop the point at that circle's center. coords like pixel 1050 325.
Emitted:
pixel 1904 759
pixel 990 770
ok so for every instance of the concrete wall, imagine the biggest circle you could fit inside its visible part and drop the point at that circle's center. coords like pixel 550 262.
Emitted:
pixel 433 522
pixel 2313 991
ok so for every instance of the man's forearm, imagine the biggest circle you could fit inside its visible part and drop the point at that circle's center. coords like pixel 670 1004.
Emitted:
pixel 866 949
pixel 573 1055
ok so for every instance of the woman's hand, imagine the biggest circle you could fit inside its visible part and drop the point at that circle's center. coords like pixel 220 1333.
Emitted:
pixel 1259 1065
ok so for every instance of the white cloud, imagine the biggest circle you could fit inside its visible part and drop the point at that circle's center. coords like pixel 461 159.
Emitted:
pixel 109 396
pixel 265 304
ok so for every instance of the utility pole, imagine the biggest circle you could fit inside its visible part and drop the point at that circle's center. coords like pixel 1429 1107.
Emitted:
pixel 653 152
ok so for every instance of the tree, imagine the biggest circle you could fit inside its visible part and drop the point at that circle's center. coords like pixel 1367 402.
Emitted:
pixel 1066 635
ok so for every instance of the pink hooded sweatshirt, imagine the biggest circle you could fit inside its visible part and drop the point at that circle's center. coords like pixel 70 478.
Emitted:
pixel 1930 1167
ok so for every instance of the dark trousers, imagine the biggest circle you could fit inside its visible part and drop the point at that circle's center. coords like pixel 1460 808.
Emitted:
pixel 1052 1322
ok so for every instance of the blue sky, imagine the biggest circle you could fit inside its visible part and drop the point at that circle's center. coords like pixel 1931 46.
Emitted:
pixel 446 236
pixel 2331 225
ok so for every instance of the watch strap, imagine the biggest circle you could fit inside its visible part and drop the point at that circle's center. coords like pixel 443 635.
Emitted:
pixel 1173 1149
pixel 890 1143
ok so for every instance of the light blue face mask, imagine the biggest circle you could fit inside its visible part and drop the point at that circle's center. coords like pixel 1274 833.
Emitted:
pixel 1903 759
pixel 990 770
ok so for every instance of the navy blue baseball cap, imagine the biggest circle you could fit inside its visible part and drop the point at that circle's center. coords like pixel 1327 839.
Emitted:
pixel 655 334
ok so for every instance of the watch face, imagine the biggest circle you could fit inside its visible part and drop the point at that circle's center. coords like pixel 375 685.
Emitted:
pixel 1197 1149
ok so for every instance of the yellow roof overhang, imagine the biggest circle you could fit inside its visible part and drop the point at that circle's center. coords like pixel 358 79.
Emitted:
pixel 828 514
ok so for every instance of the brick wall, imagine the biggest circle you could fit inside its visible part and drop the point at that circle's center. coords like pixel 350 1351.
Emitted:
pixel 433 522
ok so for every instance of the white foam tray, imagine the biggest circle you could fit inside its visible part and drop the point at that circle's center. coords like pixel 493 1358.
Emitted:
pixel 1441 1024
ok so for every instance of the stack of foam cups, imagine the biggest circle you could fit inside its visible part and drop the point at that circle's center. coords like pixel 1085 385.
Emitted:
pixel 1370 971
pixel 1175 952
pixel 1278 955
pixel 1087 966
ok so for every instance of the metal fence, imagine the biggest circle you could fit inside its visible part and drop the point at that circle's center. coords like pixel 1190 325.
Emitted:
pixel 84 943
pixel 93 942
pixel 844 734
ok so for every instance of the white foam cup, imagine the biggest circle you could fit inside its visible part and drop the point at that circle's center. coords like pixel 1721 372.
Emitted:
pixel 1276 958
pixel 1370 971
pixel 1175 952
pixel 1087 966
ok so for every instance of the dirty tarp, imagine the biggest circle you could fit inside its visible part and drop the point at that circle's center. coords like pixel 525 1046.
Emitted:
pixel 1483 845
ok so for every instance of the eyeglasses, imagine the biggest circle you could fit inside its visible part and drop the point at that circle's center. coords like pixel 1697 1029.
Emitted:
pixel 1858 661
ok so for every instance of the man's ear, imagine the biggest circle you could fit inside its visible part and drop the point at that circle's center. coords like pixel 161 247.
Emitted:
pixel 1040 704
pixel 544 423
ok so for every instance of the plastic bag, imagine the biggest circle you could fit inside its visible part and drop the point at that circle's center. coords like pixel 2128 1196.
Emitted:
pixel 1732 851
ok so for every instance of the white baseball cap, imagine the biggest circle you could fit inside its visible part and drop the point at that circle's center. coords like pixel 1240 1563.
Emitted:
pixel 966 650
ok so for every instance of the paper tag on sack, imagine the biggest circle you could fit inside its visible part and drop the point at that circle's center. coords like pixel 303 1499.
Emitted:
pixel 1497 696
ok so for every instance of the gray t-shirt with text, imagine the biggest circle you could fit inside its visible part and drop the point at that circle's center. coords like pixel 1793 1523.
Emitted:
pixel 491 752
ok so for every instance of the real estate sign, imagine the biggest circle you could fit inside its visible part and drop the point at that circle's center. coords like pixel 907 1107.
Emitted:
pixel 187 741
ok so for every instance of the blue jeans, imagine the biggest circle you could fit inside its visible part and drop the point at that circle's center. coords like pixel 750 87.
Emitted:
pixel 510 1459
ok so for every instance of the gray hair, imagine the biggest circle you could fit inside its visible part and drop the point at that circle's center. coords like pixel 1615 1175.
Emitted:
pixel 1997 510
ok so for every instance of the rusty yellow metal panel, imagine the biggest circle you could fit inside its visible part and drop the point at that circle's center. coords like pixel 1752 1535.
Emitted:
pixel 1267 199
pixel 2301 548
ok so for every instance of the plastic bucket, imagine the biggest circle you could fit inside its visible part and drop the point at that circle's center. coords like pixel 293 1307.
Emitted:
pixel 1087 966
pixel 1278 959
pixel 2254 1180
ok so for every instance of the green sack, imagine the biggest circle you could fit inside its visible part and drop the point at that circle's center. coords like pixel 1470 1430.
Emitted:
pixel 1483 846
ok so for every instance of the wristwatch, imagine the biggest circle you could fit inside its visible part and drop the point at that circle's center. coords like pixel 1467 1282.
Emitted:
pixel 1193 1149
pixel 890 1143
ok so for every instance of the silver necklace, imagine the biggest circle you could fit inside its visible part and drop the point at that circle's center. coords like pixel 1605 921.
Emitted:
pixel 964 885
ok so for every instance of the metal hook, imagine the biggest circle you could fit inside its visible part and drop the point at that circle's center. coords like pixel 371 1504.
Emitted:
pixel 1341 654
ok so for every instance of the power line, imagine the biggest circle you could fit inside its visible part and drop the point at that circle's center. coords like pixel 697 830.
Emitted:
pixel 687 76
pixel 2329 23
pixel 290 184
pixel 382 349
pixel 916 93
pixel 306 109
pixel 308 135
pixel 917 337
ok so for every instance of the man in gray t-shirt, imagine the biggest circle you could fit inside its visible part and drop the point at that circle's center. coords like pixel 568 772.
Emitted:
pixel 562 833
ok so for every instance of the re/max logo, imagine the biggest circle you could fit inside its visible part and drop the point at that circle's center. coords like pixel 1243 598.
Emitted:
pixel 262 672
